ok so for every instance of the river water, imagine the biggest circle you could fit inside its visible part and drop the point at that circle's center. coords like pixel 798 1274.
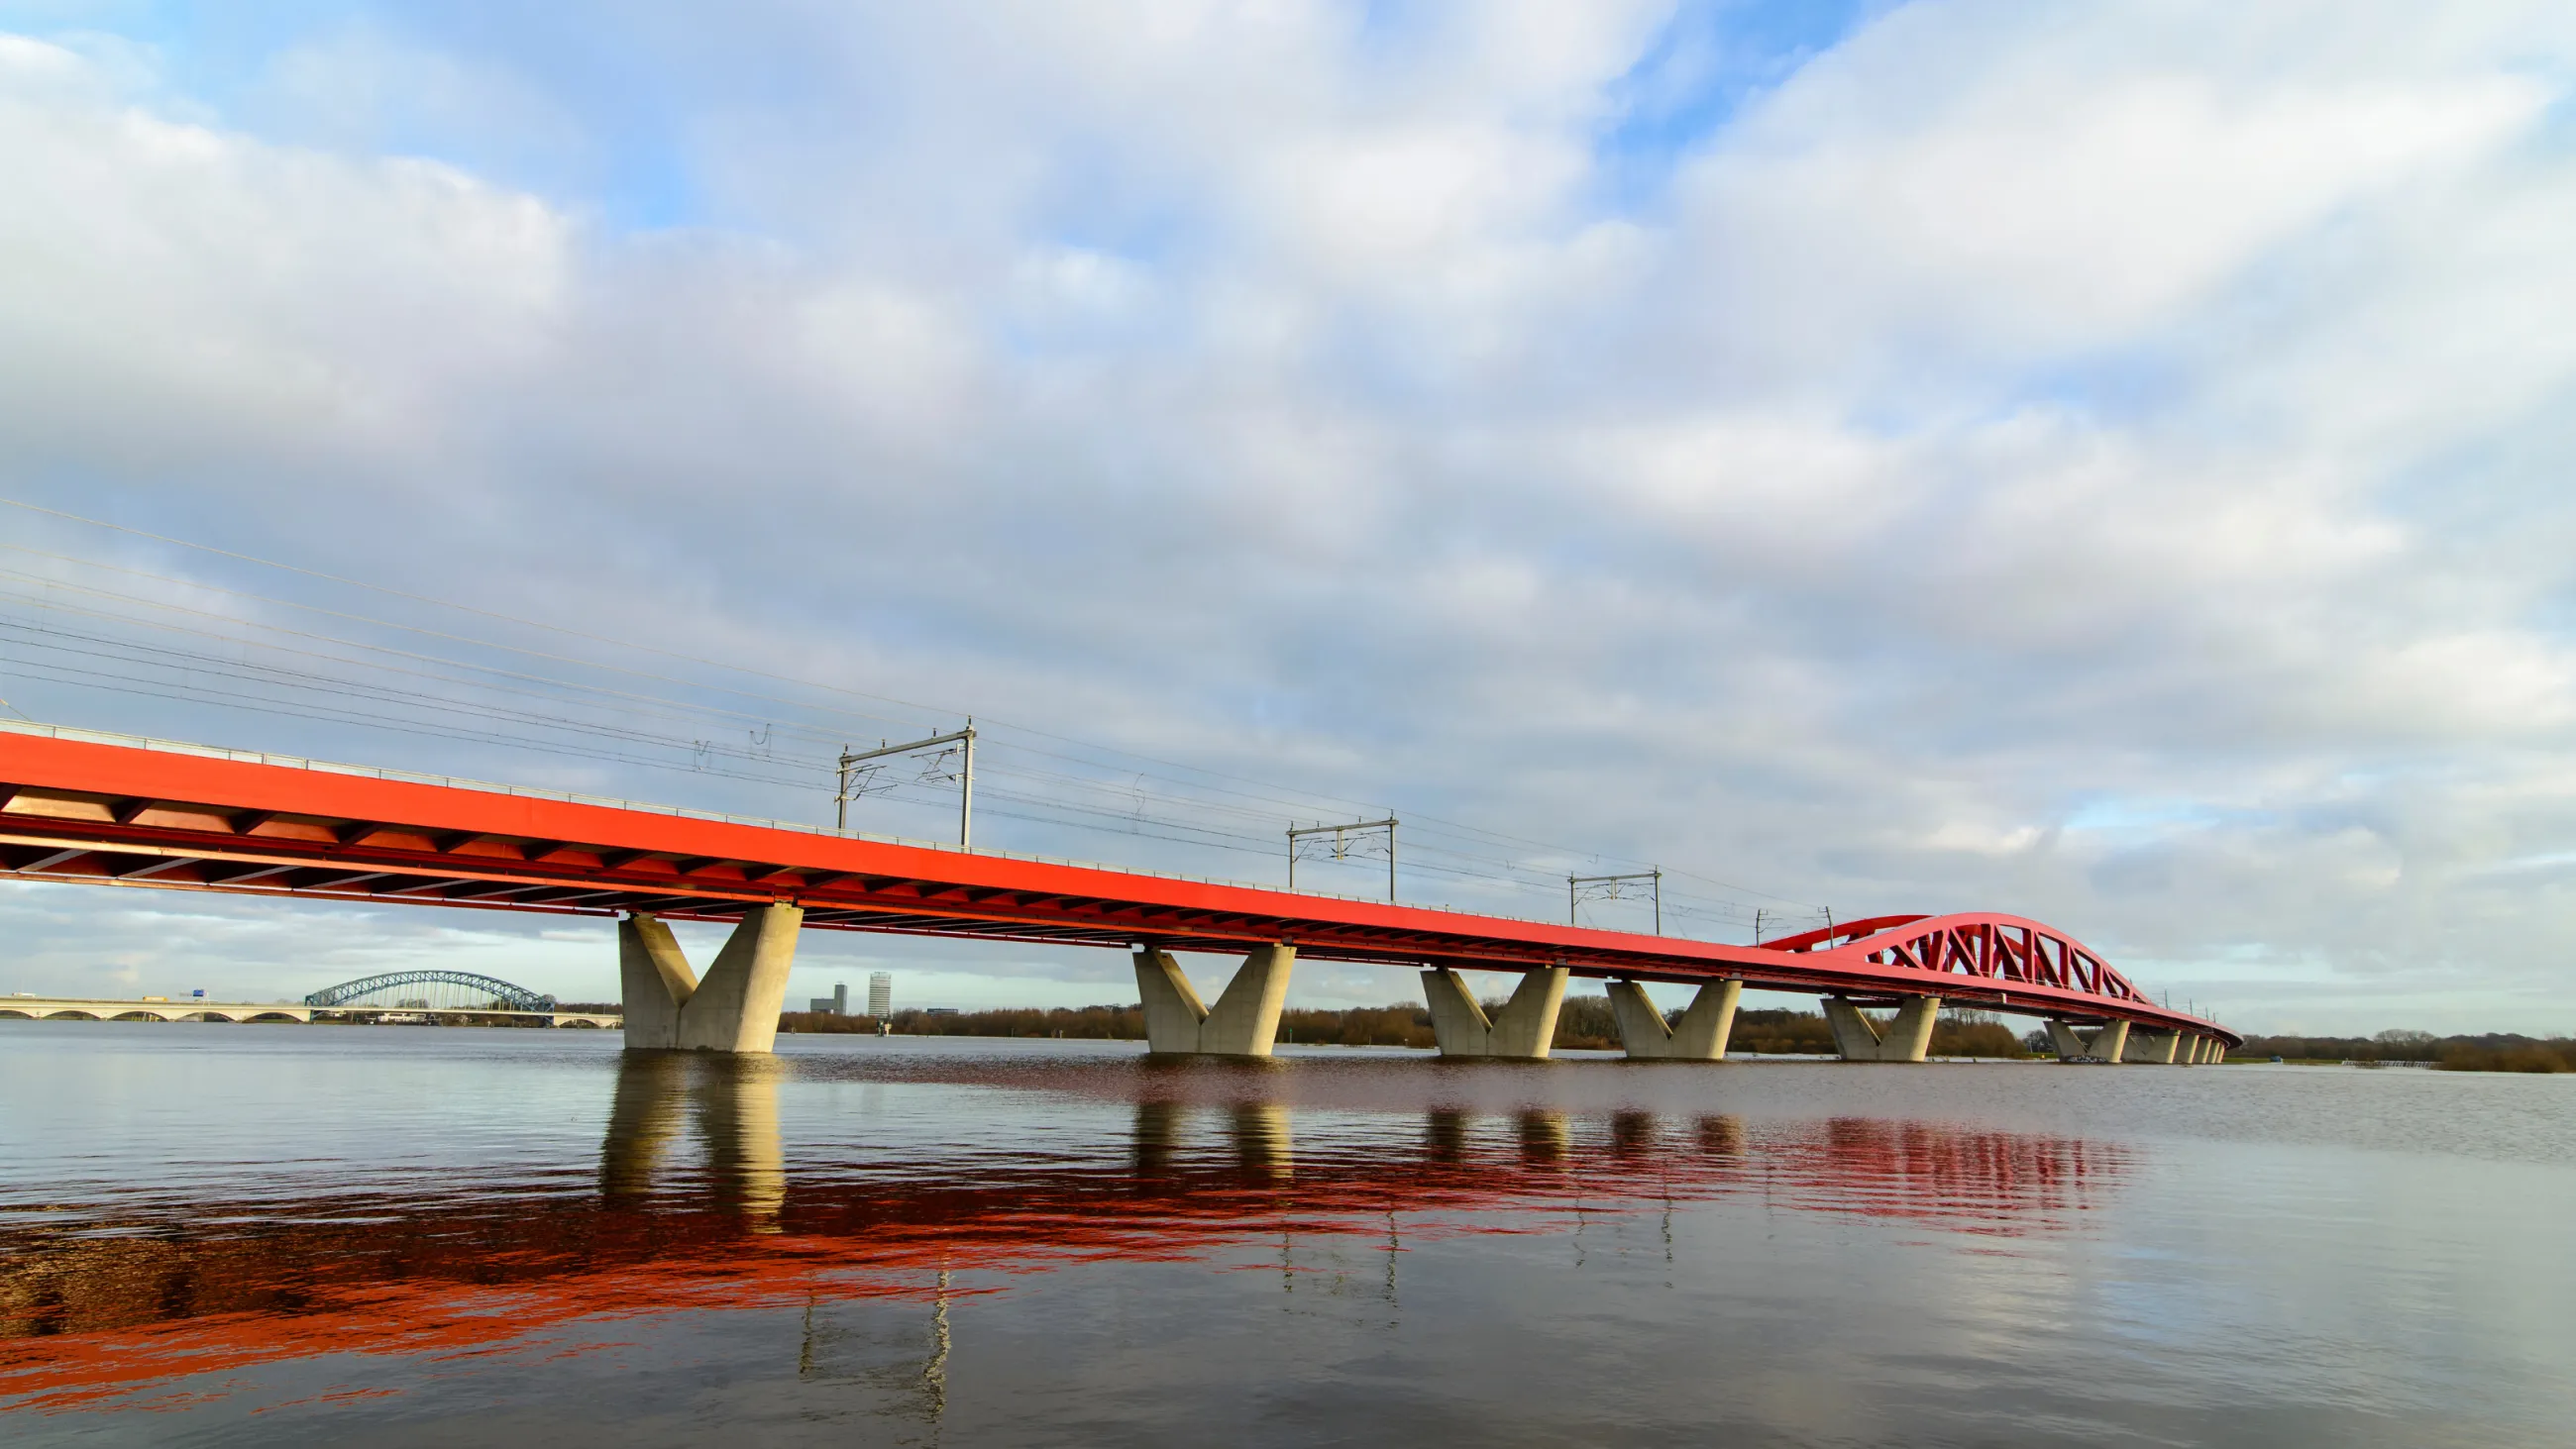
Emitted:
pixel 281 1235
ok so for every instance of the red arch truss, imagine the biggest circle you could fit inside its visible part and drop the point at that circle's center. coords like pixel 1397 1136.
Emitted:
pixel 1997 950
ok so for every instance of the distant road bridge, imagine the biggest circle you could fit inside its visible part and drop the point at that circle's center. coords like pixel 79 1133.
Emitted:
pixel 76 806
pixel 109 1008
pixel 490 992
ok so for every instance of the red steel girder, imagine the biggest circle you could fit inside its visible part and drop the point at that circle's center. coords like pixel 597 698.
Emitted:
pixel 96 811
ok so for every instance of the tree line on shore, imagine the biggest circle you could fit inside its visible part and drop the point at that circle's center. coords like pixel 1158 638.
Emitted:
pixel 2490 1052
pixel 1584 1023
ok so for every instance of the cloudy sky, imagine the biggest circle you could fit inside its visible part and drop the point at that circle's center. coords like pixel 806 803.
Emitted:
pixel 2108 463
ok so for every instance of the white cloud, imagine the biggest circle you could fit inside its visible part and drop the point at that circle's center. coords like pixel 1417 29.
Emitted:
pixel 174 289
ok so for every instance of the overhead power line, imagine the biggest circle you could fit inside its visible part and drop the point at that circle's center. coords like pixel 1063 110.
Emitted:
pixel 189 640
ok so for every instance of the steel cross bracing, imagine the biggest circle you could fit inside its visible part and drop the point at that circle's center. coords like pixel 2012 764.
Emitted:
pixel 1998 948
pixel 121 814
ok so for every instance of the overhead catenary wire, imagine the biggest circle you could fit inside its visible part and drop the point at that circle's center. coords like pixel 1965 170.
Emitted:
pixel 1125 819
pixel 1044 811
pixel 433 692
pixel 1427 822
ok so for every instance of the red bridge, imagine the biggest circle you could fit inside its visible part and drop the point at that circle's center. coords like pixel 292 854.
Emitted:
pixel 125 812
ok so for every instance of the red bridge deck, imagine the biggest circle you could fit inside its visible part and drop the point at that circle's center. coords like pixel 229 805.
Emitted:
pixel 182 817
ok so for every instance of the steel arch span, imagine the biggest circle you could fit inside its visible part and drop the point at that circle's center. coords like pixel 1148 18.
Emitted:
pixel 512 998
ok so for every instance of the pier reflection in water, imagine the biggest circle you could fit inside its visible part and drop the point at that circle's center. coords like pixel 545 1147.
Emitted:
pixel 949 1241
pixel 693 1175
pixel 733 1103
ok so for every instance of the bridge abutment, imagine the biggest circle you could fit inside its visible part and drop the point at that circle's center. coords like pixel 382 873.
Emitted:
pixel 2103 1042
pixel 1908 1038
pixel 1522 1031
pixel 1245 1020
pixel 735 1009
pixel 1700 1035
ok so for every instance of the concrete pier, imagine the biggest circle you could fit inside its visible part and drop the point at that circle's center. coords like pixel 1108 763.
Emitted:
pixel 1700 1035
pixel 1907 1039
pixel 2148 1045
pixel 1522 1031
pixel 735 1009
pixel 1245 1022
pixel 2098 1042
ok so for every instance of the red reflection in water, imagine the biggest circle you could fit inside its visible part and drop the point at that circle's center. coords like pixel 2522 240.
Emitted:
pixel 93 1312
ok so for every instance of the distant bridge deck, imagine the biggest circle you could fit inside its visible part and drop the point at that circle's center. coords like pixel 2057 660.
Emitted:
pixel 108 1008
pixel 117 811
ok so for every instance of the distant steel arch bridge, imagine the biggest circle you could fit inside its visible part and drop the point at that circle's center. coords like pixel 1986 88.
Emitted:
pixel 496 993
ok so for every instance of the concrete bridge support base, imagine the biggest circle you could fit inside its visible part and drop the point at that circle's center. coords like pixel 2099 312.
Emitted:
pixel 2194 1050
pixel 1907 1039
pixel 2100 1043
pixel 735 1009
pixel 1245 1022
pixel 2145 1044
pixel 1522 1031
pixel 1700 1035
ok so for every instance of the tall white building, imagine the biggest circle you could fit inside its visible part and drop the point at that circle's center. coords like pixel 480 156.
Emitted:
pixel 880 994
